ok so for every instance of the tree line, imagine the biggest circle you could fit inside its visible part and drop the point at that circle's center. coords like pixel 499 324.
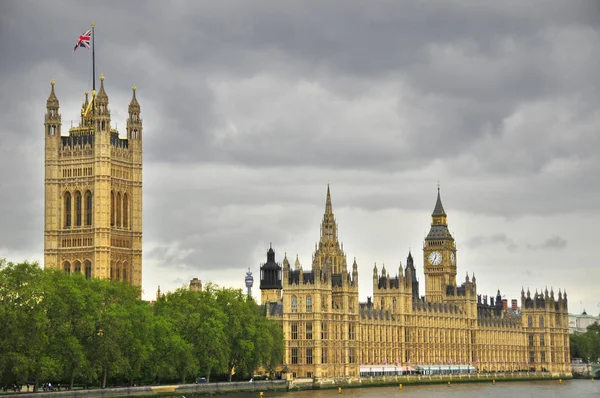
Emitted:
pixel 62 328
pixel 586 345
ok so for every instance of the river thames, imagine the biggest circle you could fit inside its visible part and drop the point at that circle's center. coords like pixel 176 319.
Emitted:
pixel 546 389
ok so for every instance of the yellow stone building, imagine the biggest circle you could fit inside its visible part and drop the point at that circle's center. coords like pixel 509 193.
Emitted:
pixel 93 192
pixel 329 333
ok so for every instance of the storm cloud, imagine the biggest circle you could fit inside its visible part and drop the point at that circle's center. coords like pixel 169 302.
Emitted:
pixel 251 108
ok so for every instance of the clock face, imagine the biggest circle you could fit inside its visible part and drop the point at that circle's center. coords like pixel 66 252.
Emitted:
pixel 452 258
pixel 435 258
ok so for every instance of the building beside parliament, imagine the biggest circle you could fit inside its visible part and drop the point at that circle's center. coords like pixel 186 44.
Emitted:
pixel 93 191
pixel 329 333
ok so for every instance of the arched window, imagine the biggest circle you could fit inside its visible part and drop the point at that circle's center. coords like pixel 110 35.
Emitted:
pixel 78 208
pixel 308 304
pixel 112 270
pixel 88 269
pixel 67 209
pixel 294 304
pixel 77 266
pixel 112 208
pixel 118 272
pixel 382 303
pixel 541 321
pixel 88 208
pixel 125 273
pixel 118 209
pixel 529 321
pixel 125 210
pixel 67 267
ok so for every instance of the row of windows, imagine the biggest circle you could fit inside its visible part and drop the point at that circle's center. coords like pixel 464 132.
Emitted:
pixel 119 210
pixel 309 304
pixel 77 172
pixel 530 321
pixel 76 267
pixel 338 333
pixel 120 243
pixel 532 357
pixel 78 210
pixel 118 173
pixel 120 272
pixel 308 357
pixel 76 242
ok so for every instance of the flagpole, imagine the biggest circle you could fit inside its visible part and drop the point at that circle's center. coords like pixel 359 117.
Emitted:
pixel 93 60
pixel 93 77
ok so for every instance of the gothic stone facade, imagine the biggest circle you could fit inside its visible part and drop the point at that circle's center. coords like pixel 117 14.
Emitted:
pixel 93 192
pixel 329 333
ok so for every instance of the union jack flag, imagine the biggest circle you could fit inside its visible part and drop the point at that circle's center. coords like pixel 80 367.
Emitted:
pixel 84 40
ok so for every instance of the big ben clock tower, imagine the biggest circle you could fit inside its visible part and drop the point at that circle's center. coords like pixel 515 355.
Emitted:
pixel 439 255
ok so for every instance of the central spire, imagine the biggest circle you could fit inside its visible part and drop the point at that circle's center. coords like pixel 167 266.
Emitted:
pixel 328 209
pixel 328 226
pixel 328 252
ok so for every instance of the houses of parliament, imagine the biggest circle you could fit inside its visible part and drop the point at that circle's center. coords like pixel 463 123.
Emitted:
pixel 329 333
pixel 93 191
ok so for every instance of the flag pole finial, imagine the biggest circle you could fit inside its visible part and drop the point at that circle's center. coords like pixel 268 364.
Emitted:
pixel 92 24
pixel 101 77
pixel 52 82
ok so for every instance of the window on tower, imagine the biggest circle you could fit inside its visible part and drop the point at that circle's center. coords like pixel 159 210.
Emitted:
pixel 78 209
pixel 112 208
pixel 88 208
pixel 294 304
pixel 118 209
pixel 68 209
pixel 125 211
pixel 88 269
pixel 77 266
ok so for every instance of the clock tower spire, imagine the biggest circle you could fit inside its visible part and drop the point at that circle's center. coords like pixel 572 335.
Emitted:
pixel 439 255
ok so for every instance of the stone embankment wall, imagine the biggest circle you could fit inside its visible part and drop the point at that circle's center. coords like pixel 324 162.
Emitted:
pixel 180 389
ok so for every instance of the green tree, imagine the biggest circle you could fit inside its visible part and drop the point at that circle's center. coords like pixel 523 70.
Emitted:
pixel 71 307
pixel 25 325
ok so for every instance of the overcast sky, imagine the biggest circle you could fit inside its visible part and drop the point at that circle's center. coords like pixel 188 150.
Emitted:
pixel 251 108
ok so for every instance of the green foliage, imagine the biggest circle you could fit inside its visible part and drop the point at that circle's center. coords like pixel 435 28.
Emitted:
pixel 586 345
pixel 65 329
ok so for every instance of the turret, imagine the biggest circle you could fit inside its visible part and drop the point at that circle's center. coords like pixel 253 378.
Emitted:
pixel 52 119
pixel 286 263
pixel 134 121
pixel 52 222
pixel 270 279
pixel 411 276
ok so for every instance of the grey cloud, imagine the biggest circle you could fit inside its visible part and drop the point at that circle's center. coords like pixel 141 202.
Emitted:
pixel 250 108
pixel 479 241
pixel 556 243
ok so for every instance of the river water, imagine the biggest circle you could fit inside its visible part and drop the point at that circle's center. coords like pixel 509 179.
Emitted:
pixel 544 389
